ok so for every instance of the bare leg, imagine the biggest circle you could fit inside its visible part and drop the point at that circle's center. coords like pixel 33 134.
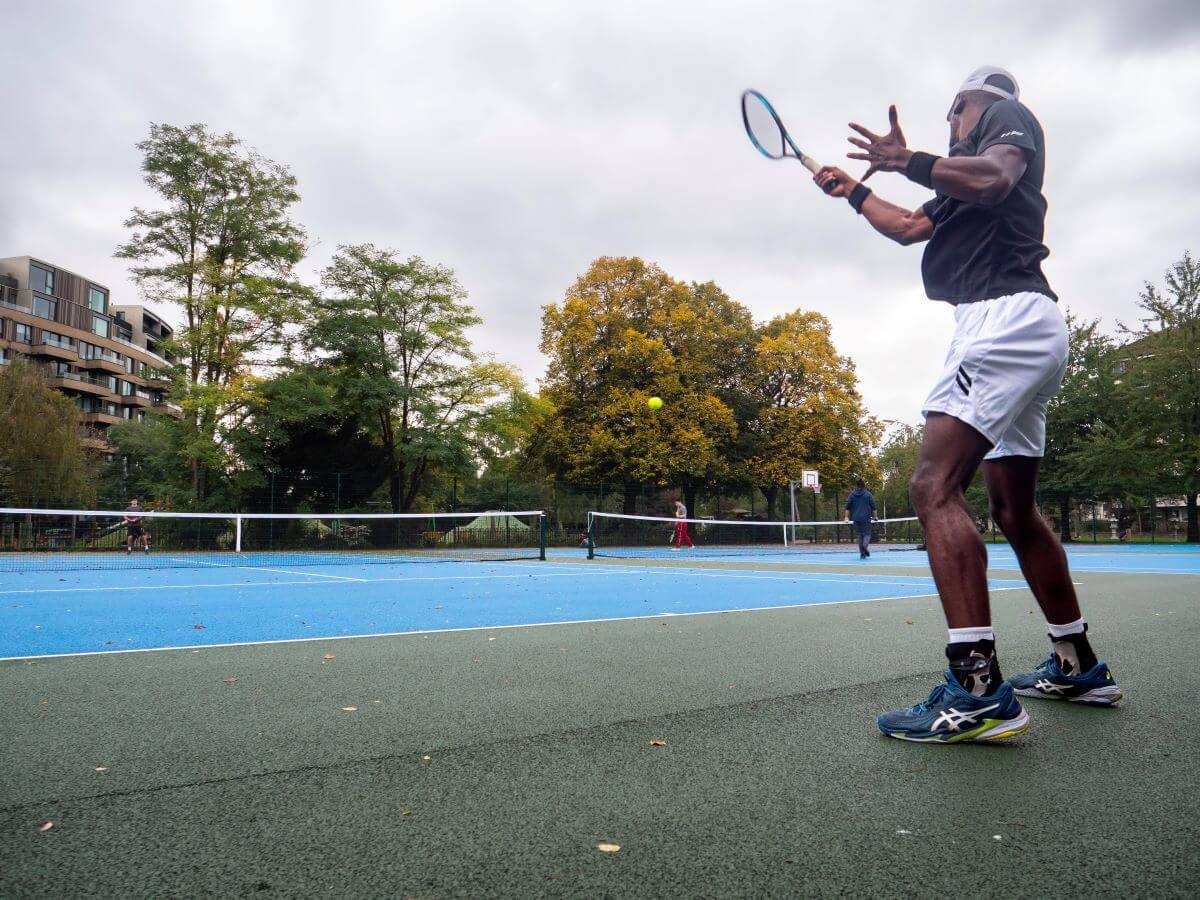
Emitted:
pixel 1011 484
pixel 950 455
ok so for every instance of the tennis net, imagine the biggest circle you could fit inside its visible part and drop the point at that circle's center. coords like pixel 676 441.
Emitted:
pixel 620 535
pixel 62 540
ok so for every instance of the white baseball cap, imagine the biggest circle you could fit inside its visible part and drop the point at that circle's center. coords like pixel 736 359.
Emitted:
pixel 978 81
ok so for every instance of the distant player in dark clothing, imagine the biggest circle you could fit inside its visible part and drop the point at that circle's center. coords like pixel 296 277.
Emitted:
pixel 133 527
pixel 984 229
pixel 860 509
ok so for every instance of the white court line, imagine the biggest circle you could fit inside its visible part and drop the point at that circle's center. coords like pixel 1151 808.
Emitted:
pixel 348 637
pixel 200 562
pixel 232 584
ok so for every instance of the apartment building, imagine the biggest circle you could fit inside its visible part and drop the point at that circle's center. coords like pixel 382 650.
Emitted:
pixel 105 357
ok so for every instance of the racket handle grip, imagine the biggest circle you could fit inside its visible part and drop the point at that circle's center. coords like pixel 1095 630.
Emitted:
pixel 830 185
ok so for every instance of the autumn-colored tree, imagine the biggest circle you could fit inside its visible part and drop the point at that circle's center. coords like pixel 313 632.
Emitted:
pixel 627 331
pixel 808 412
pixel 42 460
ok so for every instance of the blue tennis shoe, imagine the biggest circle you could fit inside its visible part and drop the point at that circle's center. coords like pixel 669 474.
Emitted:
pixel 1095 686
pixel 952 715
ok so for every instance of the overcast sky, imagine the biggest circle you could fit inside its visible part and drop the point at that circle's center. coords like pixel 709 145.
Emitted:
pixel 517 141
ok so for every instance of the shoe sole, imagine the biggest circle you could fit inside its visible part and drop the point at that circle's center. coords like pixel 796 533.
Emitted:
pixel 1108 695
pixel 991 730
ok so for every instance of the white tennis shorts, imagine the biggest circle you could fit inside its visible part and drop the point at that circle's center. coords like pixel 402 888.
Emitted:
pixel 1006 362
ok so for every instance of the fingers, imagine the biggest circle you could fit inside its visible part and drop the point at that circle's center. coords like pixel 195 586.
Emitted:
pixel 893 118
pixel 869 135
pixel 859 143
pixel 871 171
pixel 865 157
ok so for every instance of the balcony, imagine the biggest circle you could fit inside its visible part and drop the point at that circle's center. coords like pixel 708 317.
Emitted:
pixel 55 348
pixel 85 384
pixel 171 409
pixel 100 418
pixel 105 362
pixel 137 398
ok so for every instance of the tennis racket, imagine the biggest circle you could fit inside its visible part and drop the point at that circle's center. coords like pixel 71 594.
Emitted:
pixel 767 134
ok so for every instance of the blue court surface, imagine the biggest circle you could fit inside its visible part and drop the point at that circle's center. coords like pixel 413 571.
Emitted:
pixel 96 611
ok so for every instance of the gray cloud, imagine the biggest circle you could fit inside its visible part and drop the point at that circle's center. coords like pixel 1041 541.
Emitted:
pixel 516 142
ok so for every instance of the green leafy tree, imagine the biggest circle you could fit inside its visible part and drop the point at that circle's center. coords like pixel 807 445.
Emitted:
pixel 42 460
pixel 1083 413
pixel 1160 389
pixel 392 335
pixel 897 462
pixel 222 248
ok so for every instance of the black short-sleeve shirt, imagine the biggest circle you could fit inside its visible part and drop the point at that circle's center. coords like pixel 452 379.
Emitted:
pixel 983 252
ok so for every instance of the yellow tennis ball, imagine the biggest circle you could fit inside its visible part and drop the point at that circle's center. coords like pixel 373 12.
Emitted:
pixel 654 403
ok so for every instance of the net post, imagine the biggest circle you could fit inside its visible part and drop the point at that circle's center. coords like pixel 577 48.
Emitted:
pixel 591 540
pixel 542 536
pixel 237 541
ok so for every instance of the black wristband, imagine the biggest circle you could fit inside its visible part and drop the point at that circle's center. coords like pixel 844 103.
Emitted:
pixel 858 197
pixel 920 168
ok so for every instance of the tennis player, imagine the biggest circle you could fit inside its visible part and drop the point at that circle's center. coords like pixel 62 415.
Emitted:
pixel 984 229
pixel 860 509
pixel 682 538
pixel 133 527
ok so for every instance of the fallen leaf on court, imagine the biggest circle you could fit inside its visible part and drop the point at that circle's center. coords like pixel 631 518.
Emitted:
pixel 46 826
pixel 658 743
pixel 439 606
pixel 407 812
pixel 608 848
pixel 329 656
pixel 349 709
pixel 997 837
pixel 491 639
pixel 231 680
pixel 908 621
pixel 199 627
pixel 903 831
pixel 426 757
pixel 101 768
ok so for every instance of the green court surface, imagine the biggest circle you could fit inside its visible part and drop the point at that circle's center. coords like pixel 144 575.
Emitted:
pixel 486 762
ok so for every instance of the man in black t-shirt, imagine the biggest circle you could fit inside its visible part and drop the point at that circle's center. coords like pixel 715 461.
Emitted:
pixel 984 230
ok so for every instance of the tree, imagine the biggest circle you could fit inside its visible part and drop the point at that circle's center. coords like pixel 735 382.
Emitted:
pixel 1160 387
pixel 392 335
pixel 1078 418
pixel 897 462
pixel 808 412
pixel 222 248
pixel 627 331
pixel 42 460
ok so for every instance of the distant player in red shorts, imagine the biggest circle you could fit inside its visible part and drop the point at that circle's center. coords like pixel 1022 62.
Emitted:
pixel 682 538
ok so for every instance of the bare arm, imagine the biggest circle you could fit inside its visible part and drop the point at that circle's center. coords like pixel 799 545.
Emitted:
pixel 901 225
pixel 984 180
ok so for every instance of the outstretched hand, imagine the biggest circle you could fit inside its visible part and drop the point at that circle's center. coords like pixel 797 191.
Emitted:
pixel 885 153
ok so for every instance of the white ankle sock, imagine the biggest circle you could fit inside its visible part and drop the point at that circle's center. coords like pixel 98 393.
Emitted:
pixel 971 635
pixel 1077 627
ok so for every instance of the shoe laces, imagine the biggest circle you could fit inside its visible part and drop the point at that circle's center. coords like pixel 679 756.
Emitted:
pixel 935 697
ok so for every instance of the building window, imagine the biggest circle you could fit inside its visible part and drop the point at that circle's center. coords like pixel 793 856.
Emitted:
pixel 5 359
pixel 41 279
pixel 100 325
pixel 97 299
pixel 45 307
pixel 24 334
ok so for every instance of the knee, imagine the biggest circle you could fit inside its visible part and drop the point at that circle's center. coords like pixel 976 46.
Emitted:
pixel 1012 520
pixel 928 492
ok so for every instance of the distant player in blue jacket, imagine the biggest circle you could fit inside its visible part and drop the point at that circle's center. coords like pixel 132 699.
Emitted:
pixel 860 509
